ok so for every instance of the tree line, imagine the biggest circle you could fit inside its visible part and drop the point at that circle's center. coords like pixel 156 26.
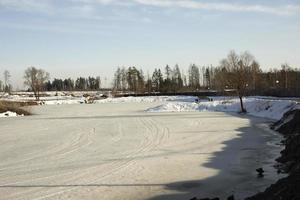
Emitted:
pixel 239 72
pixel 38 80
pixel 81 83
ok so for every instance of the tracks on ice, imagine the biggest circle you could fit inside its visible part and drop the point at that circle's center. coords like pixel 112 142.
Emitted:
pixel 152 136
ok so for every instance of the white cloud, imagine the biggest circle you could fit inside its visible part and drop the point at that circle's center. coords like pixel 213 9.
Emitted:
pixel 106 1
pixel 27 5
pixel 201 5
pixel 50 5
pixel 227 7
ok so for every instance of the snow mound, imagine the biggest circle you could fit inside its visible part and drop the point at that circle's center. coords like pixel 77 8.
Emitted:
pixel 148 99
pixel 77 98
pixel 9 114
pixel 272 109
pixel 64 102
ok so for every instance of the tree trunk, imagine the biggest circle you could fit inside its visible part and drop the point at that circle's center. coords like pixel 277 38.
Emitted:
pixel 243 110
pixel 37 95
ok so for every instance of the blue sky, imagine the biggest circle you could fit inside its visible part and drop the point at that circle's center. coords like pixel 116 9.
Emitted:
pixel 70 38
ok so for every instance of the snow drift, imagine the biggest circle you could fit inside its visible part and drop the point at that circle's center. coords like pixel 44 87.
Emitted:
pixel 266 108
pixel 9 114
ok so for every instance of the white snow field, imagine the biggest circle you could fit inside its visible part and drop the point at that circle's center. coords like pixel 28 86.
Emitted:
pixel 255 106
pixel 118 151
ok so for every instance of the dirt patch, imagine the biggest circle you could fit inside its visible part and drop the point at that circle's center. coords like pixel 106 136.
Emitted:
pixel 289 124
pixel 17 107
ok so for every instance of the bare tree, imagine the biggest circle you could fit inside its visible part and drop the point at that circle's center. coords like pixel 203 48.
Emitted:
pixel 36 79
pixel 237 72
pixel 285 68
pixel 255 72
pixel 1 86
pixel 7 86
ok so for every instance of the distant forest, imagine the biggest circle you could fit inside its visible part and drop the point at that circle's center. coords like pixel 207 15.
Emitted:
pixel 276 82
pixel 238 72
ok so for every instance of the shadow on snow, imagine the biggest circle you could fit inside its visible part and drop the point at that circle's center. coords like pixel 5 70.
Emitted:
pixel 240 178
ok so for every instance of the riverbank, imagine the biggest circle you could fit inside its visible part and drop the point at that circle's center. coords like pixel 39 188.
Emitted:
pixel 287 188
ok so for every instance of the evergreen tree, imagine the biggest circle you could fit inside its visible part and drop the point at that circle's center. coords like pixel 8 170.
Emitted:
pixel 194 77
pixel 178 82
pixel 157 80
pixel 81 84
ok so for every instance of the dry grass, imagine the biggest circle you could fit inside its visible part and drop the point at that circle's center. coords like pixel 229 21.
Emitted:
pixel 17 107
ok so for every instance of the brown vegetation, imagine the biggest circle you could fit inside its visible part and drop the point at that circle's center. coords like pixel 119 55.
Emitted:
pixel 17 107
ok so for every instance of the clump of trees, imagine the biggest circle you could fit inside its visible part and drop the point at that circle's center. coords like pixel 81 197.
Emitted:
pixel 133 79
pixel 36 80
pixel 166 80
pixel 130 79
pixel 81 83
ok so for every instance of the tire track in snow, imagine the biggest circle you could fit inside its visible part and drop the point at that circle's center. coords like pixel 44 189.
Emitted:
pixel 75 145
pixel 151 140
pixel 52 150
pixel 80 138
pixel 116 166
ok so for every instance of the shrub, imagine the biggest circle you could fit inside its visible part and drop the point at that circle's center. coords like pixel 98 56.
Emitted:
pixel 14 107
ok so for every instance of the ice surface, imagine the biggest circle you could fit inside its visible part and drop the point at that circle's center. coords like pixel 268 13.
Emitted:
pixel 118 151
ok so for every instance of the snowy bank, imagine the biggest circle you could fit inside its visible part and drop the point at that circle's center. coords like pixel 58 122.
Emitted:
pixel 272 109
pixel 63 101
pixel 9 114
pixel 148 99
pixel 266 107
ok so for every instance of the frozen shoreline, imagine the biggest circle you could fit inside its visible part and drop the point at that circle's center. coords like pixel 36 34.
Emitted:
pixel 256 106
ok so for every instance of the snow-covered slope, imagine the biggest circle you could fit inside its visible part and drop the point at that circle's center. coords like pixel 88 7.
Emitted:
pixel 272 109
pixel 266 107
pixel 148 99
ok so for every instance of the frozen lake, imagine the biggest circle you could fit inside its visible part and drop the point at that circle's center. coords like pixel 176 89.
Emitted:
pixel 118 151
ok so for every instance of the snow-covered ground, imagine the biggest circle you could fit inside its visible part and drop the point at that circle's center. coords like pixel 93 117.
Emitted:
pixel 9 114
pixel 266 107
pixel 118 151
pixel 255 106
pixel 51 98
pixel 189 99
